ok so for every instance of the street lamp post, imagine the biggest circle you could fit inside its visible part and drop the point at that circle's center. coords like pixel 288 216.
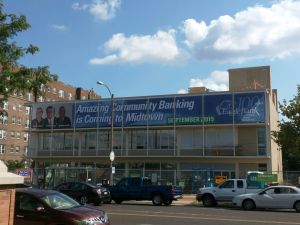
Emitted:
pixel 111 154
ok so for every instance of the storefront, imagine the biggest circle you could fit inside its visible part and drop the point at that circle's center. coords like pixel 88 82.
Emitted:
pixel 181 139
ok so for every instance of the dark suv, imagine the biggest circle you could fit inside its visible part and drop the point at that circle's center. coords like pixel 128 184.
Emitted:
pixel 45 207
pixel 84 192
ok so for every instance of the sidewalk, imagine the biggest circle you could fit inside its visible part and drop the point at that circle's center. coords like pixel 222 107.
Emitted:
pixel 187 199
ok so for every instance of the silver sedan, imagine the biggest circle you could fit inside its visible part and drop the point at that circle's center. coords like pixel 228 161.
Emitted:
pixel 275 197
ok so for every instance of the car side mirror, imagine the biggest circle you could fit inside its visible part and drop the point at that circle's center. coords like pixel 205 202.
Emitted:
pixel 262 193
pixel 40 209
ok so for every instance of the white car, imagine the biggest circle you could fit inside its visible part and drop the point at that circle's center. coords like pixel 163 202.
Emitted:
pixel 275 197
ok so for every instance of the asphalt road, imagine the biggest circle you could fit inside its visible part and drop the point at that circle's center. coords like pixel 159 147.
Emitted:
pixel 141 213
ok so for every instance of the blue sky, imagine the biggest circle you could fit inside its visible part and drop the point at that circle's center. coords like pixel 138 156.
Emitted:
pixel 161 47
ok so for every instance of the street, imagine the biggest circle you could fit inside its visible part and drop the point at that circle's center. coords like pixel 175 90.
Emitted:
pixel 144 213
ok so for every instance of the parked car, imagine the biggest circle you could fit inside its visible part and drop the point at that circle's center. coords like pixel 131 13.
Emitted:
pixel 84 192
pixel 274 197
pixel 139 188
pixel 210 196
pixel 23 185
pixel 41 207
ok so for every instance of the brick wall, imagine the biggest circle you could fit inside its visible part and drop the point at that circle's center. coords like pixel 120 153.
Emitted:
pixel 7 204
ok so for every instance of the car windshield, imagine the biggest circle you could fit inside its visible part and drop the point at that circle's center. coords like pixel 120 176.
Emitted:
pixel 59 201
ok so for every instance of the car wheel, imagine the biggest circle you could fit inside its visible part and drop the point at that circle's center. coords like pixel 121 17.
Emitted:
pixel 83 200
pixel 208 201
pixel 297 206
pixel 248 204
pixel 97 203
pixel 118 201
pixel 169 202
pixel 157 199
pixel 108 201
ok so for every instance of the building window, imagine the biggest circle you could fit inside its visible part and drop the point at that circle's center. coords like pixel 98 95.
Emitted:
pixel 20 107
pixel 41 99
pixel 27 124
pixel 70 96
pixel 103 138
pixel 138 139
pixel 14 106
pixel 29 96
pixel 27 110
pixel 61 94
pixel 18 135
pixel 25 137
pixel 17 148
pixel 5 105
pixel 58 141
pixel 2 134
pixel 261 140
pixel 91 138
pixel 13 120
pixel 83 97
pixel 26 150
pixel 54 90
pixel 12 148
pixel 3 119
pixel 12 134
pixel 19 121
pixel 2 148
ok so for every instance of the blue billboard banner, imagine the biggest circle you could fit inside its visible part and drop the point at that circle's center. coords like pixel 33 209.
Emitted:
pixel 52 115
pixel 87 113
pixel 249 108
pixel 218 109
pixel 162 109
pixel 179 110
pixel 135 112
pixel 188 110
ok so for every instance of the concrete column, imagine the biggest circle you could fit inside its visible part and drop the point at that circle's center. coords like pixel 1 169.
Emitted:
pixel 237 170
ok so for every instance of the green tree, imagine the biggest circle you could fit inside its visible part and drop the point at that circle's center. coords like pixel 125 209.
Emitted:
pixel 12 165
pixel 14 76
pixel 288 136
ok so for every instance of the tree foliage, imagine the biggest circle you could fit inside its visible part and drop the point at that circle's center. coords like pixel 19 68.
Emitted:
pixel 288 136
pixel 12 165
pixel 14 76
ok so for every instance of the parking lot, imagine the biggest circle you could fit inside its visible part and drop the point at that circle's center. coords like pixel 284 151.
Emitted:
pixel 188 211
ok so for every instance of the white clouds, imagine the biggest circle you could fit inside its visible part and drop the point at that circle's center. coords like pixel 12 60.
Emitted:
pixel 194 31
pixel 257 32
pixel 160 47
pixel 100 9
pixel 59 27
pixel 216 81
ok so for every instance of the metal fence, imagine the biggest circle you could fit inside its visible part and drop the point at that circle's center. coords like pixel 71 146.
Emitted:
pixel 291 178
pixel 189 180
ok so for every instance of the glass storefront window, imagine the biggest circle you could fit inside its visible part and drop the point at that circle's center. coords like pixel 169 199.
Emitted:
pixel 138 139
pixel 152 139
pixel 103 140
pixel 117 140
pixel 261 140
pixel 77 140
pixel 91 139
pixel 46 143
pixel 83 145
pixel 68 141
pixel 58 141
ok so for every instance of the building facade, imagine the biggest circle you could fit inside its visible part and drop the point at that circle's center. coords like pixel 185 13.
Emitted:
pixel 183 139
pixel 14 122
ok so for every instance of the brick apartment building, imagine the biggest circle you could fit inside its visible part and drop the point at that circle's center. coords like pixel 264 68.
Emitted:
pixel 14 124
